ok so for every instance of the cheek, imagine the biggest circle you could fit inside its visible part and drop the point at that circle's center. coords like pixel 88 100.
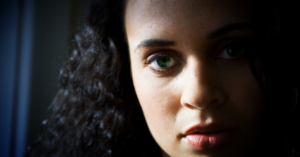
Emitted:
pixel 248 94
pixel 246 100
pixel 158 101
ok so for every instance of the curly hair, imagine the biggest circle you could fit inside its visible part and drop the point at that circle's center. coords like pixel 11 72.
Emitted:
pixel 96 111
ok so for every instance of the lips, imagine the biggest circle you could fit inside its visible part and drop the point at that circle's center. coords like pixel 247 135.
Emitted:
pixel 207 137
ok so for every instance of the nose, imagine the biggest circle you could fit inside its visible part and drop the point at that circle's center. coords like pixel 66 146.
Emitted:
pixel 201 87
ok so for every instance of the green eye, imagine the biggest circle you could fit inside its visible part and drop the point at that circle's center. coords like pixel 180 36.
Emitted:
pixel 163 61
pixel 233 51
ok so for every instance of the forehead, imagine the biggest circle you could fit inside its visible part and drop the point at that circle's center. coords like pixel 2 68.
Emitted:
pixel 185 7
pixel 204 13
pixel 179 20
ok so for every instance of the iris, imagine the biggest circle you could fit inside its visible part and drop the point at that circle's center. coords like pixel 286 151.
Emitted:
pixel 234 51
pixel 163 61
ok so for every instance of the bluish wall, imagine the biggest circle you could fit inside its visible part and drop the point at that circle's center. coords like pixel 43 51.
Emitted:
pixel 35 37
pixel 9 13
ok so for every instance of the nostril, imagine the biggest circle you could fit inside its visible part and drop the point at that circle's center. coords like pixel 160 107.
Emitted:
pixel 188 106
pixel 201 104
pixel 214 101
pixel 191 106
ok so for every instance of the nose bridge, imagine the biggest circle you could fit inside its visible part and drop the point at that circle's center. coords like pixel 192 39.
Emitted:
pixel 196 76
pixel 200 86
pixel 199 72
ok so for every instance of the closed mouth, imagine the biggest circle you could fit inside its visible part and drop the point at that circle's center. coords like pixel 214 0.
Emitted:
pixel 206 129
pixel 208 132
pixel 207 137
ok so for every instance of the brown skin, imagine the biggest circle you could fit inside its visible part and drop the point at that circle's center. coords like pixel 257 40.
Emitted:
pixel 201 84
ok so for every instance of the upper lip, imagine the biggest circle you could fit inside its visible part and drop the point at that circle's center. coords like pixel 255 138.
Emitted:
pixel 206 128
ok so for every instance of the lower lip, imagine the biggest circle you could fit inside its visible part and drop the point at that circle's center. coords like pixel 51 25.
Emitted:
pixel 208 141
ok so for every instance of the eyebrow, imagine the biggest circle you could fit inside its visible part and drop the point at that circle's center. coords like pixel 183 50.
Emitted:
pixel 219 32
pixel 228 28
pixel 155 42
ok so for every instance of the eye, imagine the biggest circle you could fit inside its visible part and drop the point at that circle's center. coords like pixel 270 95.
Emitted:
pixel 160 62
pixel 233 51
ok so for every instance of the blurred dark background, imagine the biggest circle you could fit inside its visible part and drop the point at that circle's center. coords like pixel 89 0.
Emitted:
pixel 35 39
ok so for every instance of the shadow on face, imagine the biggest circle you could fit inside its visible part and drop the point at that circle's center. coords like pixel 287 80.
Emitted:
pixel 190 69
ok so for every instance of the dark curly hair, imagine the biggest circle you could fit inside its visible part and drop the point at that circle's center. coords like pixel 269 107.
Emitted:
pixel 96 111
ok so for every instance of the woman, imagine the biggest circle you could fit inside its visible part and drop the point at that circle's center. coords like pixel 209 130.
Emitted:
pixel 203 73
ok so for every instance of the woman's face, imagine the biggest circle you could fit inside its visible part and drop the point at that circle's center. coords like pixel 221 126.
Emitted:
pixel 192 75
